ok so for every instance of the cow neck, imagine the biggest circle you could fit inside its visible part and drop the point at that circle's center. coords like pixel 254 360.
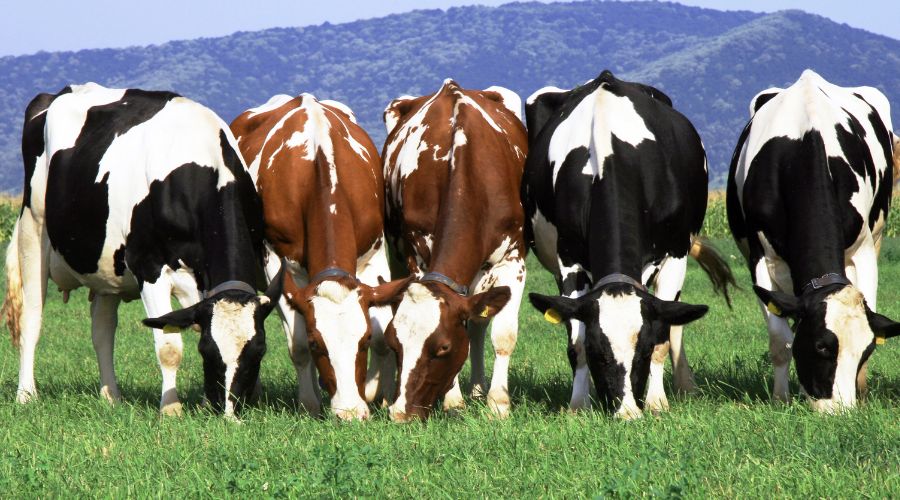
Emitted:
pixel 228 244
pixel 331 237
pixel 459 243
pixel 615 228
pixel 814 248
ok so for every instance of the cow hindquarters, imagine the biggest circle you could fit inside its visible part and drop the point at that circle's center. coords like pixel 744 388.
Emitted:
pixel 169 346
pixel 104 319
pixel 27 268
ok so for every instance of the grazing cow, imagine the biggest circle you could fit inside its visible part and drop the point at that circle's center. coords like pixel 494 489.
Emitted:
pixel 320 180
pixel 808 194
pixel 453 164
pixel 615 194
pixel 140 194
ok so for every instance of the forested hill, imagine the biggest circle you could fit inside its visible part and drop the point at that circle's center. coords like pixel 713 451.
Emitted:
pixel 710 62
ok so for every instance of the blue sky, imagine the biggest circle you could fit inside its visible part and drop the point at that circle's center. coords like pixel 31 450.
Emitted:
pixel 28 26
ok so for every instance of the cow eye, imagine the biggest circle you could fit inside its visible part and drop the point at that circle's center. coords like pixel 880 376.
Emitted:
pixel 442 350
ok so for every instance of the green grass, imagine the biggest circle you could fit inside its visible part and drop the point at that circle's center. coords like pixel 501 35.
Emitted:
pixel 728 440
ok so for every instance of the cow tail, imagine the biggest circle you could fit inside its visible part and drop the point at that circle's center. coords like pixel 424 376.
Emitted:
pixel 714 265
pixel 12 305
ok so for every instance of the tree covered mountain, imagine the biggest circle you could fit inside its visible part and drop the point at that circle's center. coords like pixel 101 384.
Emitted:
pixel 709 62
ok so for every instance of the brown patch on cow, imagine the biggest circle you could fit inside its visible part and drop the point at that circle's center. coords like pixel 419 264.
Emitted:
pixel 169 356
pixel 660 353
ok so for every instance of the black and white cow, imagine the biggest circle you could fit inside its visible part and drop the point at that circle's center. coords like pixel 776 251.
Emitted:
pixel 140 194
pixel 615 194
pixel 808 194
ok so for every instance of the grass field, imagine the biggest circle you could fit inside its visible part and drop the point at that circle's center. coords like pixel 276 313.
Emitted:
pixel 727 441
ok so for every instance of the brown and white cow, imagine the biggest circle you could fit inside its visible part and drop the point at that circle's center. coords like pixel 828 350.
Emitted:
pixel 321 185
pixel 453 165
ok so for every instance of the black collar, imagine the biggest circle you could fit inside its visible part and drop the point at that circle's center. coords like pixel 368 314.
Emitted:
pixel 332 272
pixel 445 280
pixel 824 280
pixel 618 278
pixel 229 285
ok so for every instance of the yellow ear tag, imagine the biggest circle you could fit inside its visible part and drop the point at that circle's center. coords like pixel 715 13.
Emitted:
pixel 552 316
pixel 171 329
pixel 486 312
pixel 879 340
pixel 774 309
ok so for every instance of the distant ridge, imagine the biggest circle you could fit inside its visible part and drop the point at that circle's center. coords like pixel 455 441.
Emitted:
pixel 710 62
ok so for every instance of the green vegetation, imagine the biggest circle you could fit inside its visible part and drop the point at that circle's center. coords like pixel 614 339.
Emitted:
pixel 711 63
pixel 728 440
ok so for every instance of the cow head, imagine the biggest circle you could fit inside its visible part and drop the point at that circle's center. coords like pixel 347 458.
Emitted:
pixel 428 333
pixel 835 333
pixel 338 331
pixel 622 324
pixel 232 340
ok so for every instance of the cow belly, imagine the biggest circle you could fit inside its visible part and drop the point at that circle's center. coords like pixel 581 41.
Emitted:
pixel 545 240
pixel 104 281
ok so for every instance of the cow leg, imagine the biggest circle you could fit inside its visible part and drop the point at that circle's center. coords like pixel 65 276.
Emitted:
pixel 453 400
pixel 169 346
pixel 381 378
pixel 308 395
pixel 505 331
pixel 570 276
pixel 104 319
pixel 27 259
pixel 668 287
pixel 780 339
pixel 477 331
pixel 865 264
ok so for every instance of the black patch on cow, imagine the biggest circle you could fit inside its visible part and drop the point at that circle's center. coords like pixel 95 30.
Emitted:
pixel 33 137
pixel 762 99
pixel 732 205
pixel 77 207
pixel 119 261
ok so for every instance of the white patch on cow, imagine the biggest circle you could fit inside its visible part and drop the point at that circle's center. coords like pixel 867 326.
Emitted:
pixel 274 102
pixel 409 138
pixel 845 316
pixel 509 99
pixel 391 117
pixel 232 326
pixel 341 106
pixel 357 147
pixel 620 320
pixel 503 250
pixel 417 317
pixel 332 208
pixel 545 241
pixel 592 125
pixel 342 323
pixel 459 140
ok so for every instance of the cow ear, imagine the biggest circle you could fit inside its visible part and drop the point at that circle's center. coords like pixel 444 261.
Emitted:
pixel 385 293
pixel 778 303
pixel 174 321
pixel 487 304
pixel 678 313
pixel 268 301
pixel 555 308
pixel 395 111
pixel 539 107
pixel 883 326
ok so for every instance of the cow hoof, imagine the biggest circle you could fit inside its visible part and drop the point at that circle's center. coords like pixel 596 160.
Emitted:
pixel 478 391
pixel 658 405
pixel 453 403
pixel 498 402
pixel 112 396
pixel 172 410
pixel 24 396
